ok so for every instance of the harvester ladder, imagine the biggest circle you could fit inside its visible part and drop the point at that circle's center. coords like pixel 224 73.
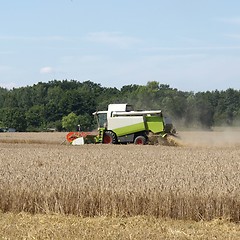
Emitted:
pixel 100 135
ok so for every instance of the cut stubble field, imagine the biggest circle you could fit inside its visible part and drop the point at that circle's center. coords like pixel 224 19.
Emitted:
pixel 198 181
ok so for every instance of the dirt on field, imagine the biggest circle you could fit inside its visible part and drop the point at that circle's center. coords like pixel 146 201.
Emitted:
pixel 33 137
pixel 222 137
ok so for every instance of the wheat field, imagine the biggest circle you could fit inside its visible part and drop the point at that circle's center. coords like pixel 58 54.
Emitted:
pixel 199 181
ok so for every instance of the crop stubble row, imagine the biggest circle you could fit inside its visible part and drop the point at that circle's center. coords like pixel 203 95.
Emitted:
pixel 190 182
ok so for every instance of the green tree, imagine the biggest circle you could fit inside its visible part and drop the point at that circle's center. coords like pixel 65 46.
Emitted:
pixel 204 109
pixel 70 122
pixel 86 122
pixel 45 104
pixel 14 118
pixel 35 117
pixel 3 93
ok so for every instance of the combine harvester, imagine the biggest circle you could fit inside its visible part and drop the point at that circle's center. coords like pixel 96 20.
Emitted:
pixel 121 124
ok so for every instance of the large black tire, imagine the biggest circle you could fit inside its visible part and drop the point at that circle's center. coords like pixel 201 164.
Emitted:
pixel 140 140
pixel 109 138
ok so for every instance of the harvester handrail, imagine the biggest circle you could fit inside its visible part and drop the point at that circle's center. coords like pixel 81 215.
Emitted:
pixel 136 113
pixel 95 113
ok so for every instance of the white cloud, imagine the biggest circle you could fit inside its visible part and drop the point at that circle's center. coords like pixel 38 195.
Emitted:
pixel 46 70
pixel 6 52
pixel 233 36
pixel 34 38
pixel 200 48
pixel 186 72
pixel 233 20
pixel 194 72
pixel 112 38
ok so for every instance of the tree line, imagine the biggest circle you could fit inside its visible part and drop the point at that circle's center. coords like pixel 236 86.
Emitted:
pixel 52 105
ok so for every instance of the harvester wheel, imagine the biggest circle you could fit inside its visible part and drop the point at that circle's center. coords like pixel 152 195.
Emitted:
pixel 140 140
pixel 109 138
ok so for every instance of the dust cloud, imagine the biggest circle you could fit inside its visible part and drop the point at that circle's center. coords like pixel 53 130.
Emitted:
pixel 219 137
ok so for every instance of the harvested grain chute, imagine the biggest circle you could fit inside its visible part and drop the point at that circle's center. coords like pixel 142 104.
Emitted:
pixel 121 124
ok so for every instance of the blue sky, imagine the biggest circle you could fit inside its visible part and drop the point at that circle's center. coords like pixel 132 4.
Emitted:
pixel 190 45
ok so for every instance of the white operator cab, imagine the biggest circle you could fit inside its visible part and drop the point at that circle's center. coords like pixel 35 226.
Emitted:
pixel 101 117
pixel 104 116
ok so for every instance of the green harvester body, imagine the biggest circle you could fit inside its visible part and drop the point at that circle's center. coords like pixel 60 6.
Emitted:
pixel 121 124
